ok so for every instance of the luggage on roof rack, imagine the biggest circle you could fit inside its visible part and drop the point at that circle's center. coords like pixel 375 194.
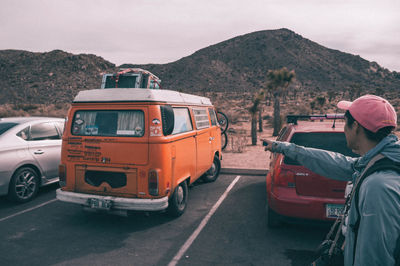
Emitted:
pixel 131 78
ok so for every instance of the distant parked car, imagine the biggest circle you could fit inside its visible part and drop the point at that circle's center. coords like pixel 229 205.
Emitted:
pixel 293 190
pixel 30 151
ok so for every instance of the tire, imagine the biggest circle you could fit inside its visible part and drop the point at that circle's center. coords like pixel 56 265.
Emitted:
pixel 24 185
pixel 273 219
pixel 212 174
pixel 177 203
pixel 224 140
pixel 222 121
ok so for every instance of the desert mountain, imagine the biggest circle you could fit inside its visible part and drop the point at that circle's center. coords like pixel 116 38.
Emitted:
pixel 50 77
pixel 240 64
pixel 235 65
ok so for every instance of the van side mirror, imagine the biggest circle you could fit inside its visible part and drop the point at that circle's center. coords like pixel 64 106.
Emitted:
pixel 168 119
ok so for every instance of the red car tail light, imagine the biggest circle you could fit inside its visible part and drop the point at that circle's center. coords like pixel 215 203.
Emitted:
pixel 153 182
pixel 284 178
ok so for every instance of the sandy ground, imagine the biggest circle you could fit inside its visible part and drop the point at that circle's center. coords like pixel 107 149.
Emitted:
pixel 252 157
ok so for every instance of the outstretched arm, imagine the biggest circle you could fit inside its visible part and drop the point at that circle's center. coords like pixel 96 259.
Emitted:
pixel 326 163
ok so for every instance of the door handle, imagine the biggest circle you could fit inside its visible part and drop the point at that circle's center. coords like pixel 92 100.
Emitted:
pixel 39 152
pixel 211 138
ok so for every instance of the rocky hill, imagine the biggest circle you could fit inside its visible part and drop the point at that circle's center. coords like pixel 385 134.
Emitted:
pixel 240 64
pixel 235 65
pixel 50 77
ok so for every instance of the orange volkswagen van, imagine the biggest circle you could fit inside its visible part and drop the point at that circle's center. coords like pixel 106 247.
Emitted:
pixel 137 149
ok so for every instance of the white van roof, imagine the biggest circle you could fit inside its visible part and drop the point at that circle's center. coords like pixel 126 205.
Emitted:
pixel 139 95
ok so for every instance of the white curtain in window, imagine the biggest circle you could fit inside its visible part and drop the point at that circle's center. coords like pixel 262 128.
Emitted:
pixel 129 122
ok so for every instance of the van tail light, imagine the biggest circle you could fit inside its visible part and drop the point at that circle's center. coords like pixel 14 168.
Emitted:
pixel 153 182
pixel 284 178
pixel 62 174
pixel 65 125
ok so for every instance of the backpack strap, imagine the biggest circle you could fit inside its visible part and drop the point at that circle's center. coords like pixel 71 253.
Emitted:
pixel 379 163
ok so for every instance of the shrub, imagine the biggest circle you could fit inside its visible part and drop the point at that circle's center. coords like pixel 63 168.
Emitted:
pixel 8 110
pixel 52 110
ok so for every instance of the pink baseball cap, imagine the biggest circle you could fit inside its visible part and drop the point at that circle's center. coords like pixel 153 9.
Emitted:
pixel 371 111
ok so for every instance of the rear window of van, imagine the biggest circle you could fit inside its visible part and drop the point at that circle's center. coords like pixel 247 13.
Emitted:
pixel 335 142
pixel 129 123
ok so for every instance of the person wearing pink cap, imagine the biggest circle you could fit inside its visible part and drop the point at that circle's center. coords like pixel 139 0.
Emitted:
pixel 373 227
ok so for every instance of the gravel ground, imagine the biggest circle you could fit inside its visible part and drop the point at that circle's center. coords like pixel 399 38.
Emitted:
pixel 252 157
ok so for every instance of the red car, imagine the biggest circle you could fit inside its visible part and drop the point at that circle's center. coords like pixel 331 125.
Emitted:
pixel 293 190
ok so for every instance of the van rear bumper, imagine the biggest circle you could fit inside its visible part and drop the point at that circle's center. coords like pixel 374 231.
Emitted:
pixel 117 202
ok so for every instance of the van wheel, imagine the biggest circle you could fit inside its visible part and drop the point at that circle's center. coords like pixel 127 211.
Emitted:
pixel 177 203
pixel 212 174
pixel 24 185
pixel 273 219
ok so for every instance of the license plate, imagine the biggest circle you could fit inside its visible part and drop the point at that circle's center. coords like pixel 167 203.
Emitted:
pixel 333 210
pixel 100 204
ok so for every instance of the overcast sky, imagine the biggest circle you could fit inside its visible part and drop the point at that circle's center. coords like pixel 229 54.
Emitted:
pixel 162 31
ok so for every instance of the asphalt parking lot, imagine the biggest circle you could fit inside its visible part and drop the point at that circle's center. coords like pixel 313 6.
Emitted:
pixel 225 224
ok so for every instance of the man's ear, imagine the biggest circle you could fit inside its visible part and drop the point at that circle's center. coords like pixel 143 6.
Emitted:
pixel 358 127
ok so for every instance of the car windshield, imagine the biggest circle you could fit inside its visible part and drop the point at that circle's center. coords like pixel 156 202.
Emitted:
pixel 335 142
pixel 4 126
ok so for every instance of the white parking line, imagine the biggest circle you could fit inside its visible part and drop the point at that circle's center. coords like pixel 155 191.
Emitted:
pixel 203 223
pixel 28 210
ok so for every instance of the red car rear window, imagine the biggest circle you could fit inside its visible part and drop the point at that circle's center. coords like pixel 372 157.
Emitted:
pixel 330 141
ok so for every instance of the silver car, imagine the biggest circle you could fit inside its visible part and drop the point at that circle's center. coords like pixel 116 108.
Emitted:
pixel 30 151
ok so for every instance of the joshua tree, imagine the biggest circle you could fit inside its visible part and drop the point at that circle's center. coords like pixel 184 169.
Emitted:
pixel 254 109
pixel 278 81
pixel 268 94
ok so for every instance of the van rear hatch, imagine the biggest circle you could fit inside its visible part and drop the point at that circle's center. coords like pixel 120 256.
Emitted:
pixel 308 183
pixel 108 181
pixel 107 146
pixel 110 137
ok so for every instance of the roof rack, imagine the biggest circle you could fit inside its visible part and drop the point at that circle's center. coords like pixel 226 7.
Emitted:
pixel 292 119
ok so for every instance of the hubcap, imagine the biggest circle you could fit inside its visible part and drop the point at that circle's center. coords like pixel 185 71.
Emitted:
pixel 25 185
pixel 212 170
pixel 180 196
